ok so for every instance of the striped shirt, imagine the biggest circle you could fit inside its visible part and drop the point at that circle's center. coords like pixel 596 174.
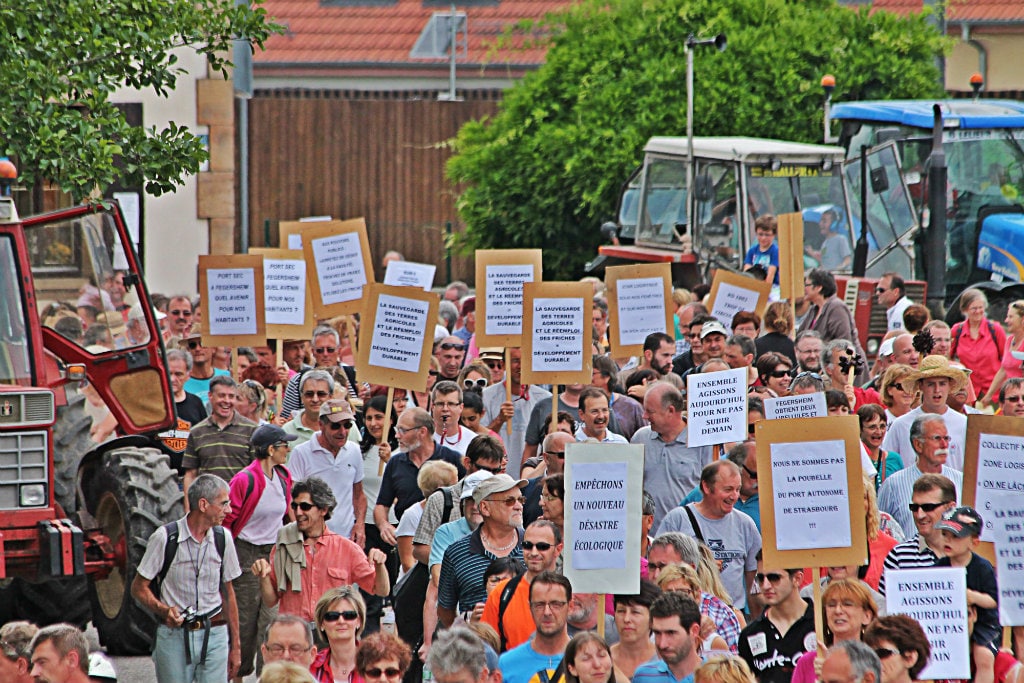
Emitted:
pixel 896 491
pixel 223 452
pixel 912 554
pixel 462 571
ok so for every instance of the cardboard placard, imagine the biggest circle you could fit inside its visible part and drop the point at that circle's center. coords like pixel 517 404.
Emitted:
pixel 993 465
pixel 811 483
pixel 937 598
pixel 290 234
pixel 638 305
pixel 556 344
pixel 410 274
pixel 394 346
pixel 287 300
pixel 500 276
pixel 800 405
pixel 1008 532
pixel 603 502
pixel 791 255
pixel 717 407
pixel 338 261
pixel 232 294
pixel 732 293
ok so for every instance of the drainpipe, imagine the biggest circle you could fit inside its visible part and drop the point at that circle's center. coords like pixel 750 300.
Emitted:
pixel 965 35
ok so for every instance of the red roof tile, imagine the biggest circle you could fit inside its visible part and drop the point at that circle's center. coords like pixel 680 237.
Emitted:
pixel 367 35
pixel 979 11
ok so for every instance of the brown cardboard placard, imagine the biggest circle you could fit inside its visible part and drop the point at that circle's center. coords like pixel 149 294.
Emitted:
pixel 641 319
pixel 556 347
pixel 231 287
pixel 395 336
pixel 501 323
pixel 974 469
pixel 281 330
pixel 338 261
pixel 791 255
pixel 795 448
pixel 733 292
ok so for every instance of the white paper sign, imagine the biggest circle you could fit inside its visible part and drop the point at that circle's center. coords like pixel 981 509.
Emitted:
pixel 641 309
pixel 284 291
pixel 295 241
pixel 231 301
pixel 409 274
pixel 801 405
pixel 717 407
pixel 599 522
pixel 1008 530
pixel 397 340
pixel 730 300
pixel 937 598
pixel 811 497
pixel 1000 470
pixel 339 267
pixel 557 334
pixel 504 292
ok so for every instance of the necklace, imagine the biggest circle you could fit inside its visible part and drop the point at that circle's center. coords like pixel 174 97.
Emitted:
pixel 503 548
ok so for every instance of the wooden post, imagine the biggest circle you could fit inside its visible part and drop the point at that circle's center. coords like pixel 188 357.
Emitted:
pixel 554 411
pixel 819 623
pixel 508 389
pixel 387 426
pixel 279 394
pixel 716 452
pixel 600 614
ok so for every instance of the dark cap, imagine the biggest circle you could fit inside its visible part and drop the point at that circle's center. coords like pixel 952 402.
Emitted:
pixel 267 435
pixel 962 521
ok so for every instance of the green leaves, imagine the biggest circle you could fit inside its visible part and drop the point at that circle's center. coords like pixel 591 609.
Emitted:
pixel 546 170
pixel 61 61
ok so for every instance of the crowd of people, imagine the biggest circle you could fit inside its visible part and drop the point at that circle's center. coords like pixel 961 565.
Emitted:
pixel 332 537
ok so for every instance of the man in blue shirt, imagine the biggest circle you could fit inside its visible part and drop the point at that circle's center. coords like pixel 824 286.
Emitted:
pixel 550 594
pixel 675 623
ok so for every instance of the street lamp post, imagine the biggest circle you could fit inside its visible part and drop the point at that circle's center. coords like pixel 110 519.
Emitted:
pixel 692 42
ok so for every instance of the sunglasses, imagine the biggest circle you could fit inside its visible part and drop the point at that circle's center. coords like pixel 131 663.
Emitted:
pixel 812 375
pixel 885 652
pixel 541 546
pixel 750 428
pixel 315 394
pixel 1013 399
pixel 434 373
pixel 304 506
pixel 899 385
pixel 927 507
pixel 772 577
pixel 750 473
pixel 779 374
pixel 335 426
pixel 492 470
pixel 448 346
pixel 347 615
pixel 181 314
pixel 510 501
pixel 880 290
pixel 193 344
pixel 324 349
pixel 470 383
pixel 387 673
pixel 494 364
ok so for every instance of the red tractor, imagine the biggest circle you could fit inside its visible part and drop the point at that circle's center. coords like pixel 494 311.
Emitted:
pixel 84 391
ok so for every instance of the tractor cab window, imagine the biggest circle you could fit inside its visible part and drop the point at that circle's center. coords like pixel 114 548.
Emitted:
pixel 662 208
pixel 14 340
pixel 716 190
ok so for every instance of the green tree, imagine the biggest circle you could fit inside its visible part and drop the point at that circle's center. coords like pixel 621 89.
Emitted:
pixel 60 62
pixel 546 170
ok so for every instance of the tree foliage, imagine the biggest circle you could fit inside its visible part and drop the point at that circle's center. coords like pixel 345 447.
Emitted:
pixel 546 170
pixel 61 61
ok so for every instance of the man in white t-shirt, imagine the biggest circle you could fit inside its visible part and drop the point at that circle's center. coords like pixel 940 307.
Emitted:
pixel 331 457
pixel 891 293
pixel 446 409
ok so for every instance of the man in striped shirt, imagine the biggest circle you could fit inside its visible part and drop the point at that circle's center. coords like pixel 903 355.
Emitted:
pixel 932 496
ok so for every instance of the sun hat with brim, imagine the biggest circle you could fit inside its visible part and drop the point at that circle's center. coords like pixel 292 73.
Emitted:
pixel 471 481
pixel 499 483
pixel 939 366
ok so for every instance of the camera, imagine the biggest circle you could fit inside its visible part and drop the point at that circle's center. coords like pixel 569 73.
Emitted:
pixel 189 614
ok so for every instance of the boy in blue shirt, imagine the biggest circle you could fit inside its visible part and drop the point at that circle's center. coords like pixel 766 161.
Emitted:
pixel 766 252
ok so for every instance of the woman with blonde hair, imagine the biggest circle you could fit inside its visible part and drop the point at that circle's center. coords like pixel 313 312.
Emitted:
pixel 884 533
pixel 898 391
pixel 848 608
pixel 778 332
pixel 723 669
pixel 682 578
pixel 711 581
pixel 340 616
pixel 433 475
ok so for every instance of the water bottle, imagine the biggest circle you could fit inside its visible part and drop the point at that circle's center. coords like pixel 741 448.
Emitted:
pixel 387 620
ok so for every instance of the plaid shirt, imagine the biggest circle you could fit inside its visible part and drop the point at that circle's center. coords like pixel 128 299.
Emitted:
pixel 726 623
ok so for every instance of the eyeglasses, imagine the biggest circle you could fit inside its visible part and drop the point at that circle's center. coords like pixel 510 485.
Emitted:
pixel 509 501
pixel 282 444
pixel 560 456
pixel 448 346
pixel 938 438
pixel 387 673
pixel 657 566
pixel 315 394
pixel 750 473
pixel 549 497
pixel 885 652
pixel 1013 399
pixel 347 615
pixel 335 426
pixel 294 650
pixel 772 577
pixel 324 349
pixel 927 507
pixel 180 314
pixel 448 404
pixel 541 546
pixel 695 335
pixel 304 506
pixel 404 430
pixel 470 383
pixel 494 364
pixel 554 605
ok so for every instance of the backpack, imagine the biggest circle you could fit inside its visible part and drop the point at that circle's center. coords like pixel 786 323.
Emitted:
pixel 958 329
pixel 251 483
pixel 504 599
pixel 171 549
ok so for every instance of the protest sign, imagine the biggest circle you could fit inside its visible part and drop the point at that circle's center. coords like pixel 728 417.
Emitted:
pixel 556 340
pixel 500 276
pixel 394 348
pixel 732 293
pixel 800 405
pixel 232 295
pixel 286 298
pixel 337 257
pixel 638 305
pixel 717 407
pixel 603 505
pixel 937 598
pixel 791 256
pixel 290 234
pixel 1007 530
pixel 811 486
pixel 409 274
pixel 993 464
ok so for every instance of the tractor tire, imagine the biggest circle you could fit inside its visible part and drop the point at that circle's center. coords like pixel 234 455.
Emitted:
pixel 71 441
pixel 55 601
pixel 133 492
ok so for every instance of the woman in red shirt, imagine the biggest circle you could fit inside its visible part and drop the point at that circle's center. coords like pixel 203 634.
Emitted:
pixel 977 341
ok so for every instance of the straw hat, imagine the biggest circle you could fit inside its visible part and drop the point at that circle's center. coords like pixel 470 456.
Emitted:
pixel 939 366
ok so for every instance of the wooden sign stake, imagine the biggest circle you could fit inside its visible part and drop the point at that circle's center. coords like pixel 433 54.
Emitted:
pixel 387 426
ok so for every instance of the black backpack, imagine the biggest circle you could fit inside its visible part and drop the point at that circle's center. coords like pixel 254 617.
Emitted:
pixel 171 549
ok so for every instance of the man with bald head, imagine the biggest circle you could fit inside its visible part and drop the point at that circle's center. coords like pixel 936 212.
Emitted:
pixel 671 468
pixel 903 350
